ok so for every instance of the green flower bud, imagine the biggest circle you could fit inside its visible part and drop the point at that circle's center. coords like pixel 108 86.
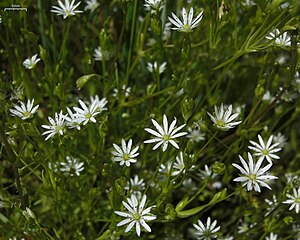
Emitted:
pixel 218 168
pixel 187 108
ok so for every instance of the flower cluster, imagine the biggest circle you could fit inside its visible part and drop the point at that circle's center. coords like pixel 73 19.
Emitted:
pixel 87 113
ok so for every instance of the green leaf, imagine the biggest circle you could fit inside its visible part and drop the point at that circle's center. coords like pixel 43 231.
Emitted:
pixel 218 197
pixel 80 82
pixel 29 35
pixel 182 204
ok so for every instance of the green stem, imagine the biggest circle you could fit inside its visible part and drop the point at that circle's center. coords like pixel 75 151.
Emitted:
pixel 64 49
pixel 12 157
pixel 131 40
pixel 207 143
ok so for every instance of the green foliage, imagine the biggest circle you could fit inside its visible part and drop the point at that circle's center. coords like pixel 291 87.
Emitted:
pixel 226 59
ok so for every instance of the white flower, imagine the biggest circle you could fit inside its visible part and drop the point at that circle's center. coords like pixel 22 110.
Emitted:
pixel 267 96
pixel 195 134
pixel 265 150
pixel 207 231
pixel 188 185
pixel 167 31
pixel 165 134
pixel 187 24
pixel 135 186
pixel 101 104
pixel 179 165
pixel 281 139
pixel 294 200
pixel 30 63
pixel 72 166
pixel 272 204
pixel 136 215
pixel 280 39
pixel 154 5
pixel 223 119
pixel 54 166
pixel 24 111
pixel 165 169
pixel 125 90
pixel 248 3
pixel 100 54
pixel 91 5
pixel 72 120
pixel 296 82
pixel 208 175
pixel 156 68
pixel 125 155
pixel 67 9
pixel 57 125
pixel 272 237
pixel 290 177
pixel 252 175
pixel 244 227
pixel 87 114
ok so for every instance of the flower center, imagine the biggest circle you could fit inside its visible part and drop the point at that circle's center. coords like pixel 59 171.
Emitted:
pixel 297 200
pixel 221 123
pixel 59 129
pixel 265 152
pixel 186 27
pixel 136 217
pixel 166 137
pixel 88 115
pixel 26 114
pixel 126 156
pixel 252 176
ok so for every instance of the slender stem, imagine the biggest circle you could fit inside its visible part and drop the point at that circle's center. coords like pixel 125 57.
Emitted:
pixel 64 50
pixel 207 143
pixel 197 194
pixel 12 158
pixel 131 40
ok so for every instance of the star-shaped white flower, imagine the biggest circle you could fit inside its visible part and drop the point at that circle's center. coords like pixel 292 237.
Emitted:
pixel 57 125
pixel 72 166
pixel 280 39
pixel 135 186
pixel 136 215
pixel 223 120
pixel 265 150
pixel 125 155
pixel 252 174
pixel 30 63
pixel 91 5
pixel 100 54
pixel 67 9
pixel 153 5
pixel 188 23
pixel 294 200
pixel 24 111
pixel 87 113
pixel 72 120
pixel 156 68
pixel 124 90
pixel 272 236
pixel 165 134
pixel 207 231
